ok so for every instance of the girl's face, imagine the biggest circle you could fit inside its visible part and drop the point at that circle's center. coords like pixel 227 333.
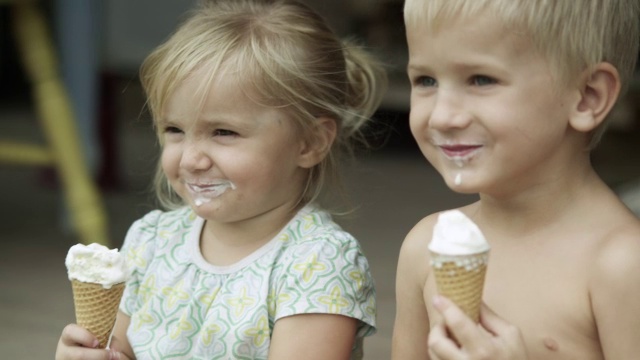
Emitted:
pixel 485 110
pixel 228 157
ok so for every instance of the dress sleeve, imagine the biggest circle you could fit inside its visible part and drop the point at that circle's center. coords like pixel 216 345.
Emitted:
pixel 138 249
pixel 330 275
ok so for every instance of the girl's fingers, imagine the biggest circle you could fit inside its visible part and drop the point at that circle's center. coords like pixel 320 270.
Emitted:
pixel 91 354
pixel 78 343
pixel 74 334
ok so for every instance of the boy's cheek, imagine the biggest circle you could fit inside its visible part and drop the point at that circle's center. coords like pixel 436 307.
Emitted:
pixel 418 122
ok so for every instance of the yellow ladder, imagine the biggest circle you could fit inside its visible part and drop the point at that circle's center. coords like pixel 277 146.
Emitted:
pixel 63 149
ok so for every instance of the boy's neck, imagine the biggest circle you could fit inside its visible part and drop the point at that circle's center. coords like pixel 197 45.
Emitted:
pixel 538 206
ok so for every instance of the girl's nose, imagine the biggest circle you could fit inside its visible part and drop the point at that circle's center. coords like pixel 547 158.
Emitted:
pixel 449 111
pixel 195 157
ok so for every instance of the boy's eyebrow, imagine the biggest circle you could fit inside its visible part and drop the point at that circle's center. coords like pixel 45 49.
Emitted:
pixel 416 67
pixel 465 66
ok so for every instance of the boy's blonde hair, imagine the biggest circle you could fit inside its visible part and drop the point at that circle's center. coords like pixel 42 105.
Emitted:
pixel 288 58
pixel 575 35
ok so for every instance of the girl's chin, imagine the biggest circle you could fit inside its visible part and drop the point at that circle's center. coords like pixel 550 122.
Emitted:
pixel 199 202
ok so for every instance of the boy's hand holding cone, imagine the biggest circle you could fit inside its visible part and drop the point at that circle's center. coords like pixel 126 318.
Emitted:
pixel 97 277
pixel 459 258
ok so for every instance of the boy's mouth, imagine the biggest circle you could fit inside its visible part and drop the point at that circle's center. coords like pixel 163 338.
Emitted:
pixel 459 153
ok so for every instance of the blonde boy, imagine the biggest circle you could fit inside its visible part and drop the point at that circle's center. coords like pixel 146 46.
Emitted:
pixel 508 98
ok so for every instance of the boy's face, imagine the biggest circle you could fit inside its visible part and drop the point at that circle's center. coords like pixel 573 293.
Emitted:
pixel 485 110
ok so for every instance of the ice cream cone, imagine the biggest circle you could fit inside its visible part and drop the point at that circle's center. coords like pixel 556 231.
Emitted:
pixel 96 308
pixel 461 279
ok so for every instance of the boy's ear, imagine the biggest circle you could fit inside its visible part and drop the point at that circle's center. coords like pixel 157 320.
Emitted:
pixel 316 147
pixel 598 93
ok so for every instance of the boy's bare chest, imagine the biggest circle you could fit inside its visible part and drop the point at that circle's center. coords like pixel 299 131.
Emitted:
pixel 546 296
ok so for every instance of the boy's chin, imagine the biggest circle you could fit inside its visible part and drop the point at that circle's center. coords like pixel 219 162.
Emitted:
pixel 460 188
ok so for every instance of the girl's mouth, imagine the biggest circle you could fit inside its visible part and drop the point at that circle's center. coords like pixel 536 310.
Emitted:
pixel 204 192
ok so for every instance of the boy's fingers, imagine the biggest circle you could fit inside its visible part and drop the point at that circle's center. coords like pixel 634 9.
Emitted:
pixel 494 323
pixel 464 330
pixel 74 334
pixel 440 345
pixel 500 328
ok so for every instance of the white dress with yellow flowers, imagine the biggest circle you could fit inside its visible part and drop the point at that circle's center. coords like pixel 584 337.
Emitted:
pixel 182 307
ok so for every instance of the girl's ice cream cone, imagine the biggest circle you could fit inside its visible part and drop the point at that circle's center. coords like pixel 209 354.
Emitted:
pixel 97 277
pixel 459 258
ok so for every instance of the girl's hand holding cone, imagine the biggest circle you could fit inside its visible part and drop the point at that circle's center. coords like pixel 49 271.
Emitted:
pixel 77 342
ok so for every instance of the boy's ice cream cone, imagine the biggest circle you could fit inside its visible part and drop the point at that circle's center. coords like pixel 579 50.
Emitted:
pixel 459 258
pixel 461 279
pixel 97 278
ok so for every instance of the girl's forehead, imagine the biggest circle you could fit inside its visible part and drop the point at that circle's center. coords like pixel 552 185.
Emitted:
pixel 222 97
pixel 204 85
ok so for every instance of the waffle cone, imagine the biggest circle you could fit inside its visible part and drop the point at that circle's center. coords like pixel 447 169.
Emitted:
pixel 461 279
pixel 96 308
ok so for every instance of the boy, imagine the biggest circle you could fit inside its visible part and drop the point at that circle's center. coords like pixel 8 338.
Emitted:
pixel 507 99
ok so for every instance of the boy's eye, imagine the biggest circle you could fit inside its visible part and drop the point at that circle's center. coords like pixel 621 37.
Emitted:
pixel 482 80
pixel 425 81
pixel 224 132
pixel 172 130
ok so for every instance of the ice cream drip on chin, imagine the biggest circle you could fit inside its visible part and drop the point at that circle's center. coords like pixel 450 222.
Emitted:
pixel 458 179
pixel 460 162
pixel 200 201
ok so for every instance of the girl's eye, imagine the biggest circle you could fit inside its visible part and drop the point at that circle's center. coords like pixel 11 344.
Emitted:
pixel 482 80
pixel 425 81
pixel 224 132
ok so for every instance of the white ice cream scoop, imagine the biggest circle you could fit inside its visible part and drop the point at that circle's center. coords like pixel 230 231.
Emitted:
pixel 456 234
pixel 95 263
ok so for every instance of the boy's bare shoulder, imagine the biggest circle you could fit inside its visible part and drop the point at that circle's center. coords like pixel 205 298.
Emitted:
pixel 619 251
pixel 414 253
pixel 420 234
pixel 614 287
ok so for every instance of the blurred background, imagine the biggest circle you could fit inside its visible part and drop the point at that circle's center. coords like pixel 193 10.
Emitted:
pixel 99 46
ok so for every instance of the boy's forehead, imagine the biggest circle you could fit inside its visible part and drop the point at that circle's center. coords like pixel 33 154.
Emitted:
pixel 485 31
pixel 439 12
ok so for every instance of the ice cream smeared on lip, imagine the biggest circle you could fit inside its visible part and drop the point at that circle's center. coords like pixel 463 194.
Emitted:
pixel 203 192
pixel 455 235
pixel 95 263
pixel 459 152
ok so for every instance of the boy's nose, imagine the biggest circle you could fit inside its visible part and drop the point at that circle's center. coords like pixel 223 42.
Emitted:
pixel 195 157
pixel 449 111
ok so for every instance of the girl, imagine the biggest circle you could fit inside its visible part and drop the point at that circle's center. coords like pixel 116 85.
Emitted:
pixel 252 101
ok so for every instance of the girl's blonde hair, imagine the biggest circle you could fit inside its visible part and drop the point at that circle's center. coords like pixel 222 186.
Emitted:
pixel 289 58
pixel 574 35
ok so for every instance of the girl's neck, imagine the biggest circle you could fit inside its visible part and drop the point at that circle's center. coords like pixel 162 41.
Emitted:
pixel 224 244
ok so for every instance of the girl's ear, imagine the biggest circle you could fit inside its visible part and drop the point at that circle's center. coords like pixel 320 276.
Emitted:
pixel 598 93
pixel 316 147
